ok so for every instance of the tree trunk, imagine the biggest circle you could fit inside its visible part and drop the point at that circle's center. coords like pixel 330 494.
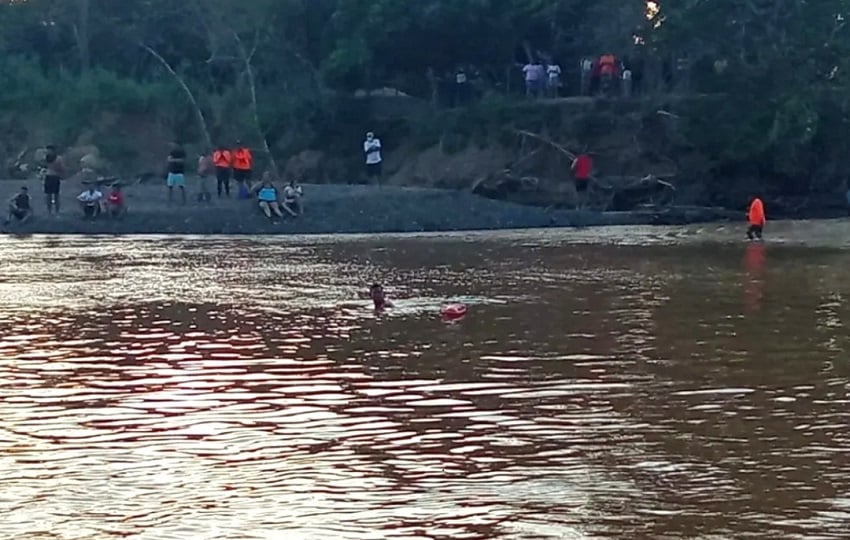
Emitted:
pixel 249 70
pixel 202 121
pixel 82 37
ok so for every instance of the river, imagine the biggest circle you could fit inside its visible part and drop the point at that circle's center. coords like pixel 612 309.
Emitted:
pixel 634 384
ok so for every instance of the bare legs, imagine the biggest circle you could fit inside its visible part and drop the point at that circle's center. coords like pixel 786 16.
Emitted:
pixel 292 208
pixel 52 202
pixel 271 207
pixel 182 194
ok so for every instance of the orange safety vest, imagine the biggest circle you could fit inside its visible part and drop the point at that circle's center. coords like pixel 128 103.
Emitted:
pixel 222 158
pixel 756 214
pixel 242 159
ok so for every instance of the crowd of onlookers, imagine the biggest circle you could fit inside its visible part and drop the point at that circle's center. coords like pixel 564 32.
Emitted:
pixel 104 197
pixel 606 75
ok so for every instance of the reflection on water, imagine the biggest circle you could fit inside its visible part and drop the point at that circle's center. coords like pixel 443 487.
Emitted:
pixel 243 389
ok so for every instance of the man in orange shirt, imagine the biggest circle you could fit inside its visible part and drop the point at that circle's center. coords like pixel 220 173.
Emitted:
pixel 223 161
pixel 757 219
pixel 242 164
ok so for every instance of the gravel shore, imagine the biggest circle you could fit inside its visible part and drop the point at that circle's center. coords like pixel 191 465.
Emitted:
pixel 329 209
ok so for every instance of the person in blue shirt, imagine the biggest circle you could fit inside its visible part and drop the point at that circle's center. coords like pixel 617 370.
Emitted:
pixel 267 196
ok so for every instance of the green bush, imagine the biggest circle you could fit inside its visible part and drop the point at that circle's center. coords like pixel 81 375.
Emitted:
pixel 73 101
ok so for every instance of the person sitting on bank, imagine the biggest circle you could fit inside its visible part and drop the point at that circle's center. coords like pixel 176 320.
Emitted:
pixel 267 196
pixel 115 206
pixel 20 207
pixel 292 195
pixel 90 201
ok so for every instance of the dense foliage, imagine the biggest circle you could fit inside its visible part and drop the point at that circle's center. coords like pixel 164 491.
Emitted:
pixel 278 68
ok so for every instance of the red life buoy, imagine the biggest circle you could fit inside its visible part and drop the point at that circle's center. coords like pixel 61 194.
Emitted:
pixel 453 311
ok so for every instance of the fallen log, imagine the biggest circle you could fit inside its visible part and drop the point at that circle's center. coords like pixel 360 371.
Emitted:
pixel 669 215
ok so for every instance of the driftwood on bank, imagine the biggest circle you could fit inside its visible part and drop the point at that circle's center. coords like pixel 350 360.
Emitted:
pixel 621 194
pixel 650 215
pixel 546 140
pixel 17 168
pixel 608 193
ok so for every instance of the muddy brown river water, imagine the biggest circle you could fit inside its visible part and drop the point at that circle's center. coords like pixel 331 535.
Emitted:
pixel 619 383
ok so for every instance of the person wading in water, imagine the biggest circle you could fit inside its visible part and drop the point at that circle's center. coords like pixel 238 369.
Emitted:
pixel 757 219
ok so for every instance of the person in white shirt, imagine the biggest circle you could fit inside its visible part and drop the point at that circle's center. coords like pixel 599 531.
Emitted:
pixel 90 201
pixel 534 74
pixel 461 86
pixel 374 160
pixel 627 83
pixel 292 195
pixel 553 79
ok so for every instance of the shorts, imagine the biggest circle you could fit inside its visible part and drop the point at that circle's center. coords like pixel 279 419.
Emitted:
pixel 582 184
pixel 19 214
pixel 176 180
pixel 242 175
pixel 374 169
pixel 51 185
pixel 91 210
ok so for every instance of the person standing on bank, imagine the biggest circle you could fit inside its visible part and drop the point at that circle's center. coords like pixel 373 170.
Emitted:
pixel 205 171
pixel 176 172
pixel 54 170
pixel 223 161
pixel 374 160
pixel 243 162
pixel 582 168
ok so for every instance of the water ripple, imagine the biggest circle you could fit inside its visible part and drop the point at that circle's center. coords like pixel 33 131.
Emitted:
pixel 243 389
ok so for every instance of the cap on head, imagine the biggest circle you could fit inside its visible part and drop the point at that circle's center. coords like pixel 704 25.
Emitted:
pixel 24 188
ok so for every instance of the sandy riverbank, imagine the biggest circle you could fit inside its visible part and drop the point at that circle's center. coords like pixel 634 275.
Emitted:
pixel 329 209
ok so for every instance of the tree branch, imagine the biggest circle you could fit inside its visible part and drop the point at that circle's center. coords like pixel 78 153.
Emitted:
pixel 246 59
pixel 546 140
pixel 198 112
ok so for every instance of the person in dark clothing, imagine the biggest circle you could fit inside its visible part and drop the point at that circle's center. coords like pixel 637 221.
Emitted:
pixel 20 207
pixel 223 161
pixel 177 171
pixel 54 169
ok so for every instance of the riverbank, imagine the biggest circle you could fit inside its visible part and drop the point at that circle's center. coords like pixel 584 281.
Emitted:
pixel 329 209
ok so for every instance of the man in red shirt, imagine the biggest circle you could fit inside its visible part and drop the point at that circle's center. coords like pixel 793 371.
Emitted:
pixel 115 201
pixel 582 168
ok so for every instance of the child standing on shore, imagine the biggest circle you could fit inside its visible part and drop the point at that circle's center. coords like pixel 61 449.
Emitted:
pixel 757 219
pixel 205 171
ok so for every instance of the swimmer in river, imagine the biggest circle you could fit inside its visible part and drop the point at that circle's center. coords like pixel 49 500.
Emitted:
pixel 379 298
